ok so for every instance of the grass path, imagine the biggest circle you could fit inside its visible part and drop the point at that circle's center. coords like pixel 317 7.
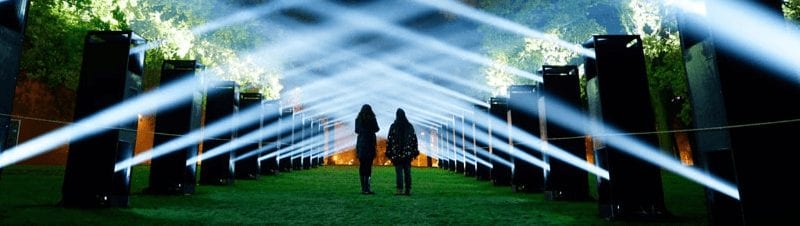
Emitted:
pixel 326 195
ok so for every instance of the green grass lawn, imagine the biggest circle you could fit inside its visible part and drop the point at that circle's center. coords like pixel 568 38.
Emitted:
pixel 327 195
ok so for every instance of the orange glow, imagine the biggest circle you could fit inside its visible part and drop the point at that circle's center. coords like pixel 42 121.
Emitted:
pixel 684 148
pixel 349 157
pixel 589 144
pixel 144 134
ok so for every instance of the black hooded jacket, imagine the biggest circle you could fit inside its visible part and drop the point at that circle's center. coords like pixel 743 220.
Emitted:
pixel 366 127
pixel 402 144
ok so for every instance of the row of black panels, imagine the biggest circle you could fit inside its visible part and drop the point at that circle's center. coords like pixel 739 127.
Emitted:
pixel 110 75
pixel 620 98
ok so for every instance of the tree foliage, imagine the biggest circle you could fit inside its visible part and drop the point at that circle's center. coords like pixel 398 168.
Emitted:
pixel 666 73
pixel 56 28
pixel 54 38
pixel 576 21
pixel 791 10
pixel 573 21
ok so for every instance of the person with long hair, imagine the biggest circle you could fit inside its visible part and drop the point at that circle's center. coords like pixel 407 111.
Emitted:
pixel 366 127
pixel 401 149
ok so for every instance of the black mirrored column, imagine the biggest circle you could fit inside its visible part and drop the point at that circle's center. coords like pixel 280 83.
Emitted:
pixel 619 96
pixel 482 171
pixel 169 173
pixel 248 166
pixel 269 162
pixel 222 102
pixel 731 86
pixel 285 140
pixel 500 173
pixel 523 104
pixel 110 74
pixel 561 89
pixel 13 18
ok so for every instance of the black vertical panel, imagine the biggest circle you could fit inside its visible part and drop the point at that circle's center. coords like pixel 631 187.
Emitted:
pixel 500 173
pixel 429 142
pixel 169 173
pixel 269 165
pixel 297 137
pixel 454 150
pixel 308 131
pixel 751 92
pixel 469 145
pixel 109 76
pixel 444 163
pixel 331 129
pixel 712 147
pixel 222 102
pixel 482 171
pixel 315 148
pixel 320 141
pixel 459 141
pixel 523 103
pixel 561 89
pixel 13 15
pixel 619 96
pixel 442 151
pixel 321 157
pixel 285 140
pixel 448 147
pixel 320 137
pixel 248 166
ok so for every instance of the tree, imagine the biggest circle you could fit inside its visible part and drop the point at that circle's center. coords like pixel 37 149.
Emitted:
pixel 59 26
pixel 791 10
pixel 54 38
pixel 664 60
pixel 568 20
pixel 576 21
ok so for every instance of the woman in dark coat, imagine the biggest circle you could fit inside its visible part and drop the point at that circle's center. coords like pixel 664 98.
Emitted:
pixel 401 149
pixel 366 127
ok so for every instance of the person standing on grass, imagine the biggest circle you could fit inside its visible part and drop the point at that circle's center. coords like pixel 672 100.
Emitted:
pixel 401 149
pixel 366 127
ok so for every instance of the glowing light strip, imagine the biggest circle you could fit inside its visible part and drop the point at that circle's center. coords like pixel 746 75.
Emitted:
pixel 239 17
pixel 480 16
pixel 232 145
pixel 761 36
pixel 513 151
pixel 377 24
pixel 125 112
pixel 257 151
pixel 216 128
pixel 536 144
pixel 577 122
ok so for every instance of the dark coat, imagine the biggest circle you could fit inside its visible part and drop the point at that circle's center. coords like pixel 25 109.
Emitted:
pixel 402 140
pixel 365 144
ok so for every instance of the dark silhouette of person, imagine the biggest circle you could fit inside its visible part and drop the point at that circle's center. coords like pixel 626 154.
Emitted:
pixel 401 149
pixel 366 127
